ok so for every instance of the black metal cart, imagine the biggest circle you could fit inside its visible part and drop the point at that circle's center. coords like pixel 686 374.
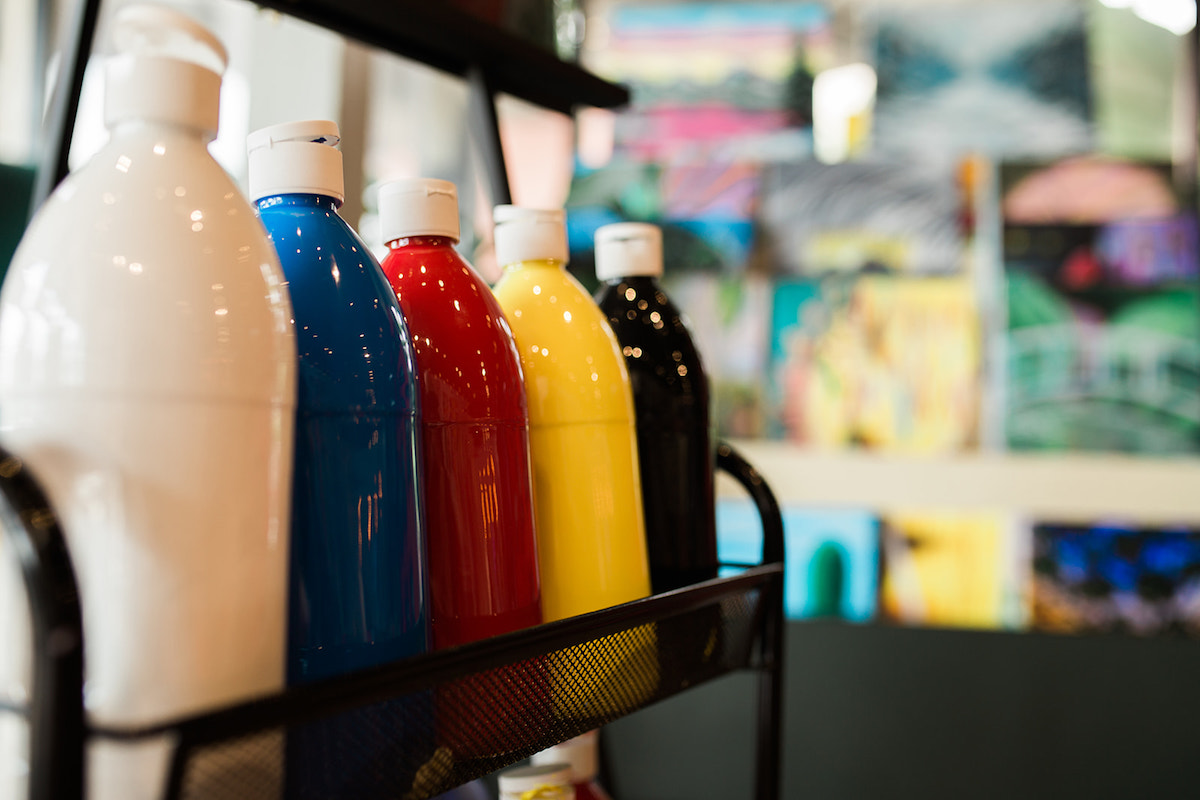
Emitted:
pixel 418 727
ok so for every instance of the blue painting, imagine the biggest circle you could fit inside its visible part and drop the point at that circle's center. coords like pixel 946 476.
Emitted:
pixel 832 557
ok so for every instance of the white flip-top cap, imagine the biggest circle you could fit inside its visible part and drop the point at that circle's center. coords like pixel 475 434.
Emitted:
pixel 167 68
pixel 296 158
pixel 515 782
pixel 418 207
pixel 628 248
pixel 530 234
pixel 580 754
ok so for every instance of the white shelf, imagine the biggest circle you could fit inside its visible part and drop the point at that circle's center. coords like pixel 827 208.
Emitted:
pixel 1058 487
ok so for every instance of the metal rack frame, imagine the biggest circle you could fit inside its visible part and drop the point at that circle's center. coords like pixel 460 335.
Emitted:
pixel 59 732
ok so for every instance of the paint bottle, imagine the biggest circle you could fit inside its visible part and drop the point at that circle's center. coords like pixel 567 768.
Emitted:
pixel 148 379
pixel 672 403
pixel 582 756
pixel 357 569
pixel 587 494
pixel 481 546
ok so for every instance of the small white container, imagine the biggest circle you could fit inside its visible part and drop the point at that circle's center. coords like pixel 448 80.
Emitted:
pixel 542 782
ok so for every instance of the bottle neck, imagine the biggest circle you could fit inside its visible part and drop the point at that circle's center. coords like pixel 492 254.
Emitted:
pixel 536 263
pixel 634 280
pixel 421 241
pixel 322 202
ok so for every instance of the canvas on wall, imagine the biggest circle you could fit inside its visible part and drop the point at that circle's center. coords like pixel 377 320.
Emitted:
pixel 1000 79
pixel 954 568
pixel 881 362
pixel 1114 578
pixel 1102 340
pixel 831 561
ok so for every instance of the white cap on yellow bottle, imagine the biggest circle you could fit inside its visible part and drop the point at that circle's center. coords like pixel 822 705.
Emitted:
pixel 296 158
pixel 530 234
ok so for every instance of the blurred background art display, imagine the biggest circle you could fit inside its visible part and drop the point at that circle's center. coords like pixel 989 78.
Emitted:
pixel 1103 328
pixel 1116 579
pixel 954 568
pixel 875 341
pixel 1000 78
pixel 832 558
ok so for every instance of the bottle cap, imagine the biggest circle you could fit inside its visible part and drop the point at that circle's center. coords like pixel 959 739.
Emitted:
pixel 543 778
pixel 628 248
pixel 579 754
pixel 167 68
pixel 530 234
pixel 296 158
pixel 418 207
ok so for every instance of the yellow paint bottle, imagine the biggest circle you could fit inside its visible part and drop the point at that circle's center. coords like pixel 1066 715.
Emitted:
pixel 582 440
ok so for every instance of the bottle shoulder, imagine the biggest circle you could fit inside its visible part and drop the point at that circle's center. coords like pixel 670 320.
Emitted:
pixel 573 365
pixel 463 343
pixel 147 271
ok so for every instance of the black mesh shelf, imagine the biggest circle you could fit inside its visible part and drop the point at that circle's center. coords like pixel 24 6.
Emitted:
pixel 419 727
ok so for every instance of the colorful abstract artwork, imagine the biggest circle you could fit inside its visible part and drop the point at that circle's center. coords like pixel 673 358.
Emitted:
pixel 820 218
pixel 732 339
pixel 997 78
pixel 957 569
pixel 1116 579
pixel 726 81
pixel 876 361
pixel 832 557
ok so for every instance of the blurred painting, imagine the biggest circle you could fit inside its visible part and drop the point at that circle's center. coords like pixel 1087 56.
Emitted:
pixel 954 568
pixel 876 361
pixel 822 218
pixel 1103 315
pixel 732 341
pixel 706 212
pixel 1116 579
pixel 1001 79
pixel 726 81
pixel 831 563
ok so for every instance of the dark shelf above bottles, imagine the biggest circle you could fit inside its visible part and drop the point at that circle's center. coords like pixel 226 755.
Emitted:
pixel 453 41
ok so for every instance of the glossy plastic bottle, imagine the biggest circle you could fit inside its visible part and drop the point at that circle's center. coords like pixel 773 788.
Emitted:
pixel 591 539
pixel 482 549
pixel 582 756
pixel 148 378
pixel 357 567
pixel 671 399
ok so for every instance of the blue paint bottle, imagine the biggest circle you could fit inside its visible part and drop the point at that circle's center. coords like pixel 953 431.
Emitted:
pixel 357 594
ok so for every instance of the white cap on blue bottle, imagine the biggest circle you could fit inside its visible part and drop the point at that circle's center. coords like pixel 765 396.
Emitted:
pixel 167 68
pixel 628 248
pixel 296 158
pixel 530 234
pixel 418 207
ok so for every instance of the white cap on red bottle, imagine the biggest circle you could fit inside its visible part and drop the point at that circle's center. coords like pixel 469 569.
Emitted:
pixel 628 248
pixel 418 207
pixel 167 68
pixel 296 158
pixel 580 754
pixel 530 234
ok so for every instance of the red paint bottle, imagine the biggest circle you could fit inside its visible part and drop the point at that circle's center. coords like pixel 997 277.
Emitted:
pixel 481 543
